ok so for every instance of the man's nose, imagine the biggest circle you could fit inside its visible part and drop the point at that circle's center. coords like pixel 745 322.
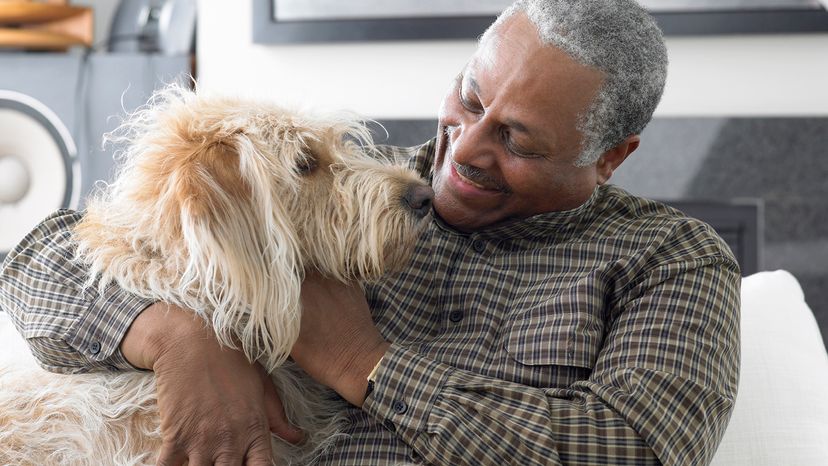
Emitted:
pixel 472 144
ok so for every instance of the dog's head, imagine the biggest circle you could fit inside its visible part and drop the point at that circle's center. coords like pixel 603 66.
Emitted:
pixel 230 201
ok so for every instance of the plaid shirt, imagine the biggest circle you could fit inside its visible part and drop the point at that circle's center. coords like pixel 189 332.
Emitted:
pixel 607 334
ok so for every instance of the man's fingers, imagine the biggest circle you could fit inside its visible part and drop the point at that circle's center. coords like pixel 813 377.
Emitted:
pixel 199 461
pixel 260 453
pixel 277 418
pixel 227 459
pixel 172 456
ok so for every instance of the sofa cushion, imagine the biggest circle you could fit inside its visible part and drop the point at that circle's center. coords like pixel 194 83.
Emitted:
pixel 781 413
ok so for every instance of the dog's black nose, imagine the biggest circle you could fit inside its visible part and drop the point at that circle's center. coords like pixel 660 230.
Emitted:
pixel 418 199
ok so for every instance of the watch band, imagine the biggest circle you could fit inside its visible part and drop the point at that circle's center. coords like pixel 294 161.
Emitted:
pixel 371 377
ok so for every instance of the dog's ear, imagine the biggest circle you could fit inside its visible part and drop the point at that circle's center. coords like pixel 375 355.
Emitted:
pixel 195 199
pixel 241 245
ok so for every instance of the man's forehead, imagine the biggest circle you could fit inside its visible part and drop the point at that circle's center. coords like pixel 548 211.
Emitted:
pixel 515 32
pixel 484 58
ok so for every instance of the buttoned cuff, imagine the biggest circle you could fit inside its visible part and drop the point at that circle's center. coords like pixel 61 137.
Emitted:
pixel 405 389
pixel 98 333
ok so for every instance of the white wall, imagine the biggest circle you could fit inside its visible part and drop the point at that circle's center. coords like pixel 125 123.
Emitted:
pixel 743 75
pixel 747 75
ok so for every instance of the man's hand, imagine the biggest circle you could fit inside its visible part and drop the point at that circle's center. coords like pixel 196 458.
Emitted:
pixel 216 407
pixel 338 342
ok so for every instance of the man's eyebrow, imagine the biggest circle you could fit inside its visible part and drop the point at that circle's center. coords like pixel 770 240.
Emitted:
pixel 518 126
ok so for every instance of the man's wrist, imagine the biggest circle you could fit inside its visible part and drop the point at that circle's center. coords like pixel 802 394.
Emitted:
pixel 354 386
pixel 372 377
pixel 158 326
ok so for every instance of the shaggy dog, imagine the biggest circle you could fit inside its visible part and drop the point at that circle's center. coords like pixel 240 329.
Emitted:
pixel 220 206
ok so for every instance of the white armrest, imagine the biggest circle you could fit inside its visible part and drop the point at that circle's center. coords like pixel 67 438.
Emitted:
pixel 781 414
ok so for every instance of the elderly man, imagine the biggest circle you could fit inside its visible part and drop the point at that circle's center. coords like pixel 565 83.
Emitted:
pixel 546 317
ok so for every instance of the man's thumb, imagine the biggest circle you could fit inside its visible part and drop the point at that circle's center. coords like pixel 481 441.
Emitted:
pixel 277 418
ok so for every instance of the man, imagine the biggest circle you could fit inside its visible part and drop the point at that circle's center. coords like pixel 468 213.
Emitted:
pixel 546 317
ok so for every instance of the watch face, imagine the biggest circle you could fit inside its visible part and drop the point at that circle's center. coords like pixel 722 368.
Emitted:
pixel 39 170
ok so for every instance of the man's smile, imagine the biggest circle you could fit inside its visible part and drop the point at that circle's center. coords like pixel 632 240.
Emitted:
pixel 466 180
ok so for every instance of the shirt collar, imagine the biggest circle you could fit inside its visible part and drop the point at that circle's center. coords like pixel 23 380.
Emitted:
pixel 551 226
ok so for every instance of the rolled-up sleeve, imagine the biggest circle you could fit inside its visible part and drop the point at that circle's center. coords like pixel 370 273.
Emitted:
pixel 69 327
pixel 661 391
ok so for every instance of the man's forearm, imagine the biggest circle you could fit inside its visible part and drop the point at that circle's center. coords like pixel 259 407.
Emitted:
pixel 338 343
pixel 454 417
pixel 69 327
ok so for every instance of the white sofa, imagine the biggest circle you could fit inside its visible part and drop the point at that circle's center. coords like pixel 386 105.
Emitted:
pixel 781 414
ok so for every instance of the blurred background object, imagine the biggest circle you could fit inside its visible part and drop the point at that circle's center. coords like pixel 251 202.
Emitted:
pixel 48 25
pixel 56 103
pixel 165 26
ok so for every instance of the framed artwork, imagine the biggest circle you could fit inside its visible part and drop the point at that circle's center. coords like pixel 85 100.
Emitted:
pixel 302 21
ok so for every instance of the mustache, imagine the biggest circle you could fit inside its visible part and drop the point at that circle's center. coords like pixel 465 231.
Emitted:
pixel 475 174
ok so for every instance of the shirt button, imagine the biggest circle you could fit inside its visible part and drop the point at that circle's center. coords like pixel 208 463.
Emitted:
pixel 399 407
pixel 389 425
pixel 95 347
pixel 456 316
pixel 478 245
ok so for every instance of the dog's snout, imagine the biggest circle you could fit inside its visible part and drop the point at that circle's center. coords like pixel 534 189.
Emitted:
pixel 418 199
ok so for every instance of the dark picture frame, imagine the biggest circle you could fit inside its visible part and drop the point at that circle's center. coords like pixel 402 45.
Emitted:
pixel 267 30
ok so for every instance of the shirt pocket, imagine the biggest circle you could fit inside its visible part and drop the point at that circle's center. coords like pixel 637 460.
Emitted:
pixel 560 331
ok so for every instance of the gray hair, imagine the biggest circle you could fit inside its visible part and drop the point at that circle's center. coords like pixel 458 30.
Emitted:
pixel 620 39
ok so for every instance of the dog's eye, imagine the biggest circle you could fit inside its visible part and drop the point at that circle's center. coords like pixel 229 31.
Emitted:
pixel 306 165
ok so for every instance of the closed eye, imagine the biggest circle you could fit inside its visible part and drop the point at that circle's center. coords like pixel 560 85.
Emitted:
pixel 473 107
pixel 465 102
pixel 306 165
pixel 513 147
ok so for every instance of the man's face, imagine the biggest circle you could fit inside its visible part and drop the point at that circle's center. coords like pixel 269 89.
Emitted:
pixel 509 139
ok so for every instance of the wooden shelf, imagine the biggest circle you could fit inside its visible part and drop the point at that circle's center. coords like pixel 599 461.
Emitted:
pixel 44 26
pixel 37 40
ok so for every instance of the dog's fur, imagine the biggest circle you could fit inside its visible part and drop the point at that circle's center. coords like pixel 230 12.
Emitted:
pixel 220 206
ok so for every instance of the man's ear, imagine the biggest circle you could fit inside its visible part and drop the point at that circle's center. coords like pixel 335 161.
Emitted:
pixel 611 159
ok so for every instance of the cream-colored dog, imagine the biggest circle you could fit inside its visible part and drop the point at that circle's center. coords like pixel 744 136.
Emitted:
pixel 221 205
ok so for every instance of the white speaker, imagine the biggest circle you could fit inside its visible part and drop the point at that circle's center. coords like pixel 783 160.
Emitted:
pixel 39 167
pixel 54 111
